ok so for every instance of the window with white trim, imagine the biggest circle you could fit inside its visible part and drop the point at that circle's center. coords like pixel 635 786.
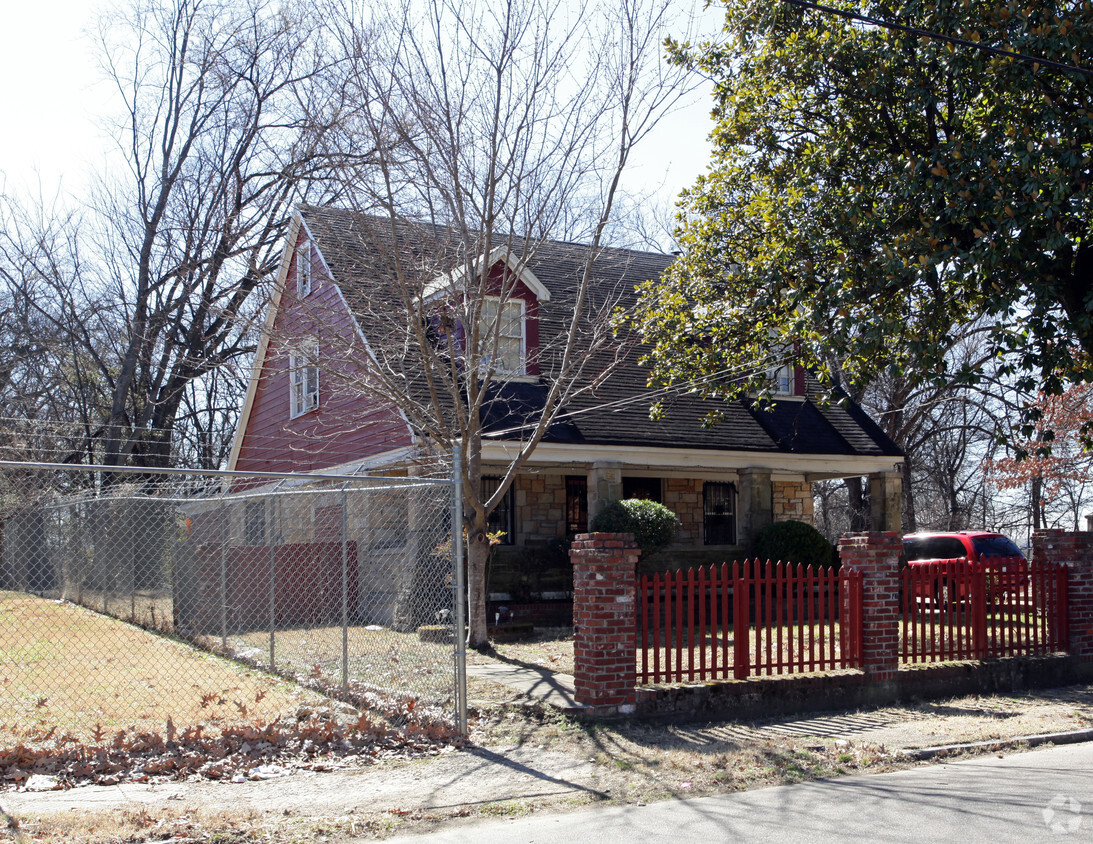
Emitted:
pixel 505 323
pixel 304 381
pixel 303 270
pixel 782 380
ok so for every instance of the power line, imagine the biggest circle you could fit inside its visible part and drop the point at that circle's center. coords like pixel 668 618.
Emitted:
pixel 950 39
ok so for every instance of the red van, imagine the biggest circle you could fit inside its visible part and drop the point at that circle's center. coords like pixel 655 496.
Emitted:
pixel 974 546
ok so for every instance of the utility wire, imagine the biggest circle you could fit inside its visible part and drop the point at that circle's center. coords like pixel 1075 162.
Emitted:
pixel 950 39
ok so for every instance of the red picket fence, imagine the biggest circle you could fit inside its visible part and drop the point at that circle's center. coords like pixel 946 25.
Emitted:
pixel 955 609
pixel 747 618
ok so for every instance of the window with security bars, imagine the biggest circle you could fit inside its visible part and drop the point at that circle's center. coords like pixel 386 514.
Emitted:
pixel 507 323
pixel 576 504
pixel 502 519
pixel 718 513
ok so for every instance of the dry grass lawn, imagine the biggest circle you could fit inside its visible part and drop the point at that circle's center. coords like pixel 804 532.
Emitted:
pixel 377 656
pixel 66 667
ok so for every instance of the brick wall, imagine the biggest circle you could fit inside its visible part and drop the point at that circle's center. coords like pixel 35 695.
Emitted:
pixel 604 607
pixel 876 556
pixel 1075 550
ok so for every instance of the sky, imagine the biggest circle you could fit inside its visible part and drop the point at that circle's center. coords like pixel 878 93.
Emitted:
pixel 53 100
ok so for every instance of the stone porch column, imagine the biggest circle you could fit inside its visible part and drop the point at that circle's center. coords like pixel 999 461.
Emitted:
pixel 604 486
pixel 886 501
pixel 756 503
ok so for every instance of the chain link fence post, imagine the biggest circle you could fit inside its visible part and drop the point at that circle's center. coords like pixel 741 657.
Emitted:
pixel 344 542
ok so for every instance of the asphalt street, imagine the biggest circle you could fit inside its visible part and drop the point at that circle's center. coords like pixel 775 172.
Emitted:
pixel 1041 795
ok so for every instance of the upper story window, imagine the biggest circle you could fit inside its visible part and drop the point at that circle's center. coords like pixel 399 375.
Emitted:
pixel 304 381
pixel 303 270
pixel 782 381
pixel 502 337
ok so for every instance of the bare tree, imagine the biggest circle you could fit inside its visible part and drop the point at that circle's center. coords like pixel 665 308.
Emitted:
pixel 219 138
pixel 502 128
pixel 948 429
pixel 51 389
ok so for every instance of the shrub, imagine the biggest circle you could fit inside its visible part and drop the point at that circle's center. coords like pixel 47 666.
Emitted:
pixel 794 542
pixel 652 524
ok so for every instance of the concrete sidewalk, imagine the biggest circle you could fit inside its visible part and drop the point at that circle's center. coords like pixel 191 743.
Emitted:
pixel 986 800
pixel 535 685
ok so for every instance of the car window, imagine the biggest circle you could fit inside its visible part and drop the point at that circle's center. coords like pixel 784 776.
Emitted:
pixel 934 548
pixel 995 546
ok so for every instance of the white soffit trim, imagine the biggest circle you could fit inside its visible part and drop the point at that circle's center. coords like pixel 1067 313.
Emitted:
pixel 447 282
pixel 294 225
pixel 811 466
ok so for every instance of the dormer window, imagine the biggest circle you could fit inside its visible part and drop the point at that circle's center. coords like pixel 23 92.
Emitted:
pixel 782 381
pixel 503 341
pixel 303 270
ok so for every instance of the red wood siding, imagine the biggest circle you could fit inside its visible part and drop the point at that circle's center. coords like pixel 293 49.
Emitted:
pixel 347 425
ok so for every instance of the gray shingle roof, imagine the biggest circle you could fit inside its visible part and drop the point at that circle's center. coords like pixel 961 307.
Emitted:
pixel 617 412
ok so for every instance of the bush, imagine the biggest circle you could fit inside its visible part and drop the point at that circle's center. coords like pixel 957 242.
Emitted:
pixel 652 524
pixel 794 542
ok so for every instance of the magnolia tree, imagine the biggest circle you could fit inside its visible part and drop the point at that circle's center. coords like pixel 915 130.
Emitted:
pixel 501 129
pixel 873 187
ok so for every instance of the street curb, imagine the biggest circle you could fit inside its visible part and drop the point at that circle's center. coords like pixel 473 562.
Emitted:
pixel 1072 737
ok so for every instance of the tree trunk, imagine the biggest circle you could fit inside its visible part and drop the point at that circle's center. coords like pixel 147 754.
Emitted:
pixel 478 553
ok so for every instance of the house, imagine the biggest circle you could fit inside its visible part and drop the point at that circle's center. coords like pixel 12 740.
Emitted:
pixel 326 331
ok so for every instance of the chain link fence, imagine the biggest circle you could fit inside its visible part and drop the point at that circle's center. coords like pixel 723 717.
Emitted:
pixel 122 596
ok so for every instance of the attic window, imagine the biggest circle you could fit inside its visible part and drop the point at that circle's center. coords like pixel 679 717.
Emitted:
pixel 502 337
pixel 303 270
pixel 304 381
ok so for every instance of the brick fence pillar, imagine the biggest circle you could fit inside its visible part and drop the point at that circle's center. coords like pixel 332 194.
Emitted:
pixel 1075 550
pixel 604 620
pixel 876 555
